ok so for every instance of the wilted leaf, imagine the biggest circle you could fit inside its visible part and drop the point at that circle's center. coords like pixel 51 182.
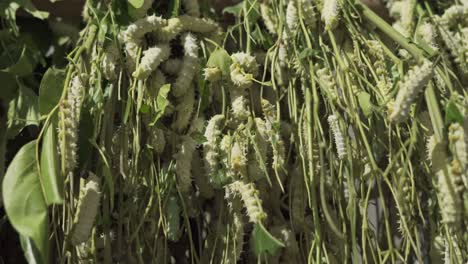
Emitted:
pixel 161 101
pixel 23 198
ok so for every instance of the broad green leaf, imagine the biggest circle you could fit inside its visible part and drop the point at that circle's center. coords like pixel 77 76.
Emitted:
pixel 264 242
pixel 50 90
pixel 452 113
pixel 199 138
pixel 9 86
pixel 161 101
pixel 30 251
pixel 24 200
pixel 235 10
pixel 23 66
pixel 136 3
pixel 221 59
pixel 365 103
pixel 50 174
pixel 22 111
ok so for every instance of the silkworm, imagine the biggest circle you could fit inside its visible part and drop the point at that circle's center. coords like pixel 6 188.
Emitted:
pixel 183 165
pixel 189 65
pixel 69 119
pixel 109 63
pixel 172 66
pixel 184 110
pixel 268 18
pixel 330 14
pixel 212 74
pixel 151 59
pixel 87 209
pixel 338 136
pixel 308 11
pixel 291 16
pixel 415 80
pixel 211 146
pixel 252 203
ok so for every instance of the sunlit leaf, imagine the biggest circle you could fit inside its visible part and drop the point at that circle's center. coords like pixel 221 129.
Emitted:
pixel 50 175
pixel 263 242
pixel 24 200
pixel 50 90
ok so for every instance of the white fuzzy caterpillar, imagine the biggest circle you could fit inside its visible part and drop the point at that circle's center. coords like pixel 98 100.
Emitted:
pixel 170 31
pixel 155 81
pixel 415 80
pixel 327 82
pixel 184 110
pixel 268 18
pixel 308 11
pixel 172 66
pixel 458 140
pixel 330 14
pixel 454 15
pixel 258 155
pixel 157 139
pixel 243 69
pixel 197 25
pixel 384 83
pixel 237 231
pixel 252 202
pixel 239 105
pixel 87 209
pixel 292 19
pixel 211 146
pixel 191 7
pixel 189 65
pixel 450 200
pixel 109 63
pixel 151 59
pixel 69 115
pixel 338 136
pixel 136 31
pixel 274 135
pixel 428 33
pixel 239 160
pixel 184 163
pixel 212 74
pixel 131 51
pixel 200 177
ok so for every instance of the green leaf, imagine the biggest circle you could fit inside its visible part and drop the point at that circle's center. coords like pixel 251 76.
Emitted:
pixel 365 103
pixel 452 113
pixel 50 175
pixel 23 198
pixel 30 250
pixel 199 138
pixel 264 242
pixel 307 52
pixel 161 101
pixel 9 86
pixel 23 66
pixel 136 3
pixel 22 111
pixel 50 90
pixel 235 10
pixel 220 59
